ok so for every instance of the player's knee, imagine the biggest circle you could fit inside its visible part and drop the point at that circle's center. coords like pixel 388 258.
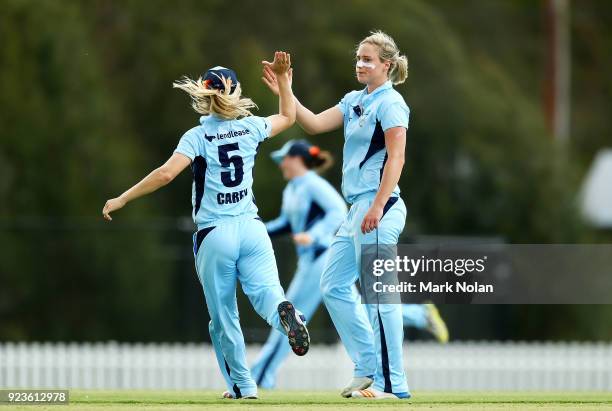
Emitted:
pixel 214 327
pixel 328 289
pixel 215 320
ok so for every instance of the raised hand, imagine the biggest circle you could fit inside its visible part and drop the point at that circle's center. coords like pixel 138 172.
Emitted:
pixel 269 79
pixel 281 63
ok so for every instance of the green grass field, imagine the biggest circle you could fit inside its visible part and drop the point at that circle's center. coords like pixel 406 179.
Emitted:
pixel 303 400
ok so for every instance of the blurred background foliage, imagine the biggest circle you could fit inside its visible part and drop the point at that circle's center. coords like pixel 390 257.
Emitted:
pixel 87 109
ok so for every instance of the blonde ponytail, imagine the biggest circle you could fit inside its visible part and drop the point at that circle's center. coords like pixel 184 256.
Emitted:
pixel 398 72
pixel 223 103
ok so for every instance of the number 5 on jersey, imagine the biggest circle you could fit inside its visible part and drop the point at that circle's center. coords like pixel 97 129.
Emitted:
pixel 226 160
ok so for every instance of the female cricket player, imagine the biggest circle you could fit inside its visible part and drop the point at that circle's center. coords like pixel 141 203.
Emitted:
pixel 312 211
pixel 375 120
pixel 231 242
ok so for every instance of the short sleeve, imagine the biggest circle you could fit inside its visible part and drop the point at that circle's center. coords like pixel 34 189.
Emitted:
pixel 342 106
pixel 397 114
pixel 188 145
pixel 262 127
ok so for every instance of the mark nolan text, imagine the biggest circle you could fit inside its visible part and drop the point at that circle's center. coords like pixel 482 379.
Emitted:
pixel 430 287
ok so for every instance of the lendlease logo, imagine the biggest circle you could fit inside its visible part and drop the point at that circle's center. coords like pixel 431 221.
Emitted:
pixel 229 134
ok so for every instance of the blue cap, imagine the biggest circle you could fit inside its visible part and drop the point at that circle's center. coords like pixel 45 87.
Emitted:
pixel 300 148
pixel 212 78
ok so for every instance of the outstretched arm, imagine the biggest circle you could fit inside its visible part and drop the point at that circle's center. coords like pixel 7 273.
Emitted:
pixel 328 120
pixel 155 180
pixel 286 105
pixel 278 226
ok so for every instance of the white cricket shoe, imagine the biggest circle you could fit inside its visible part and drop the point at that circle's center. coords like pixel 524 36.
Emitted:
pixel 357 383
pixel 372 394
pixel 229 396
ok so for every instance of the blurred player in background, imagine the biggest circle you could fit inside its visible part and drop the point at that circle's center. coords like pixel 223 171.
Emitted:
pixel 375 120
pixel 312 211
pixel 231 243
pixel 425 317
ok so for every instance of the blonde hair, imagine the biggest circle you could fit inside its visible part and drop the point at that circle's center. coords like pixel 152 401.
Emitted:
pixel 224 103
pixel 387 50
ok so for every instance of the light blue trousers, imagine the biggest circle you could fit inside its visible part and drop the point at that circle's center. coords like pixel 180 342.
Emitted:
pixel 371 333
pixel 305 294
pixel 237 249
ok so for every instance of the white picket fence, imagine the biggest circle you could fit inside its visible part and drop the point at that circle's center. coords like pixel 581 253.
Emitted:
pixel 478 366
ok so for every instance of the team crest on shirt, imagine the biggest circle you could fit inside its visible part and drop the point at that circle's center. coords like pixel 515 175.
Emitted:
pixel 360 114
